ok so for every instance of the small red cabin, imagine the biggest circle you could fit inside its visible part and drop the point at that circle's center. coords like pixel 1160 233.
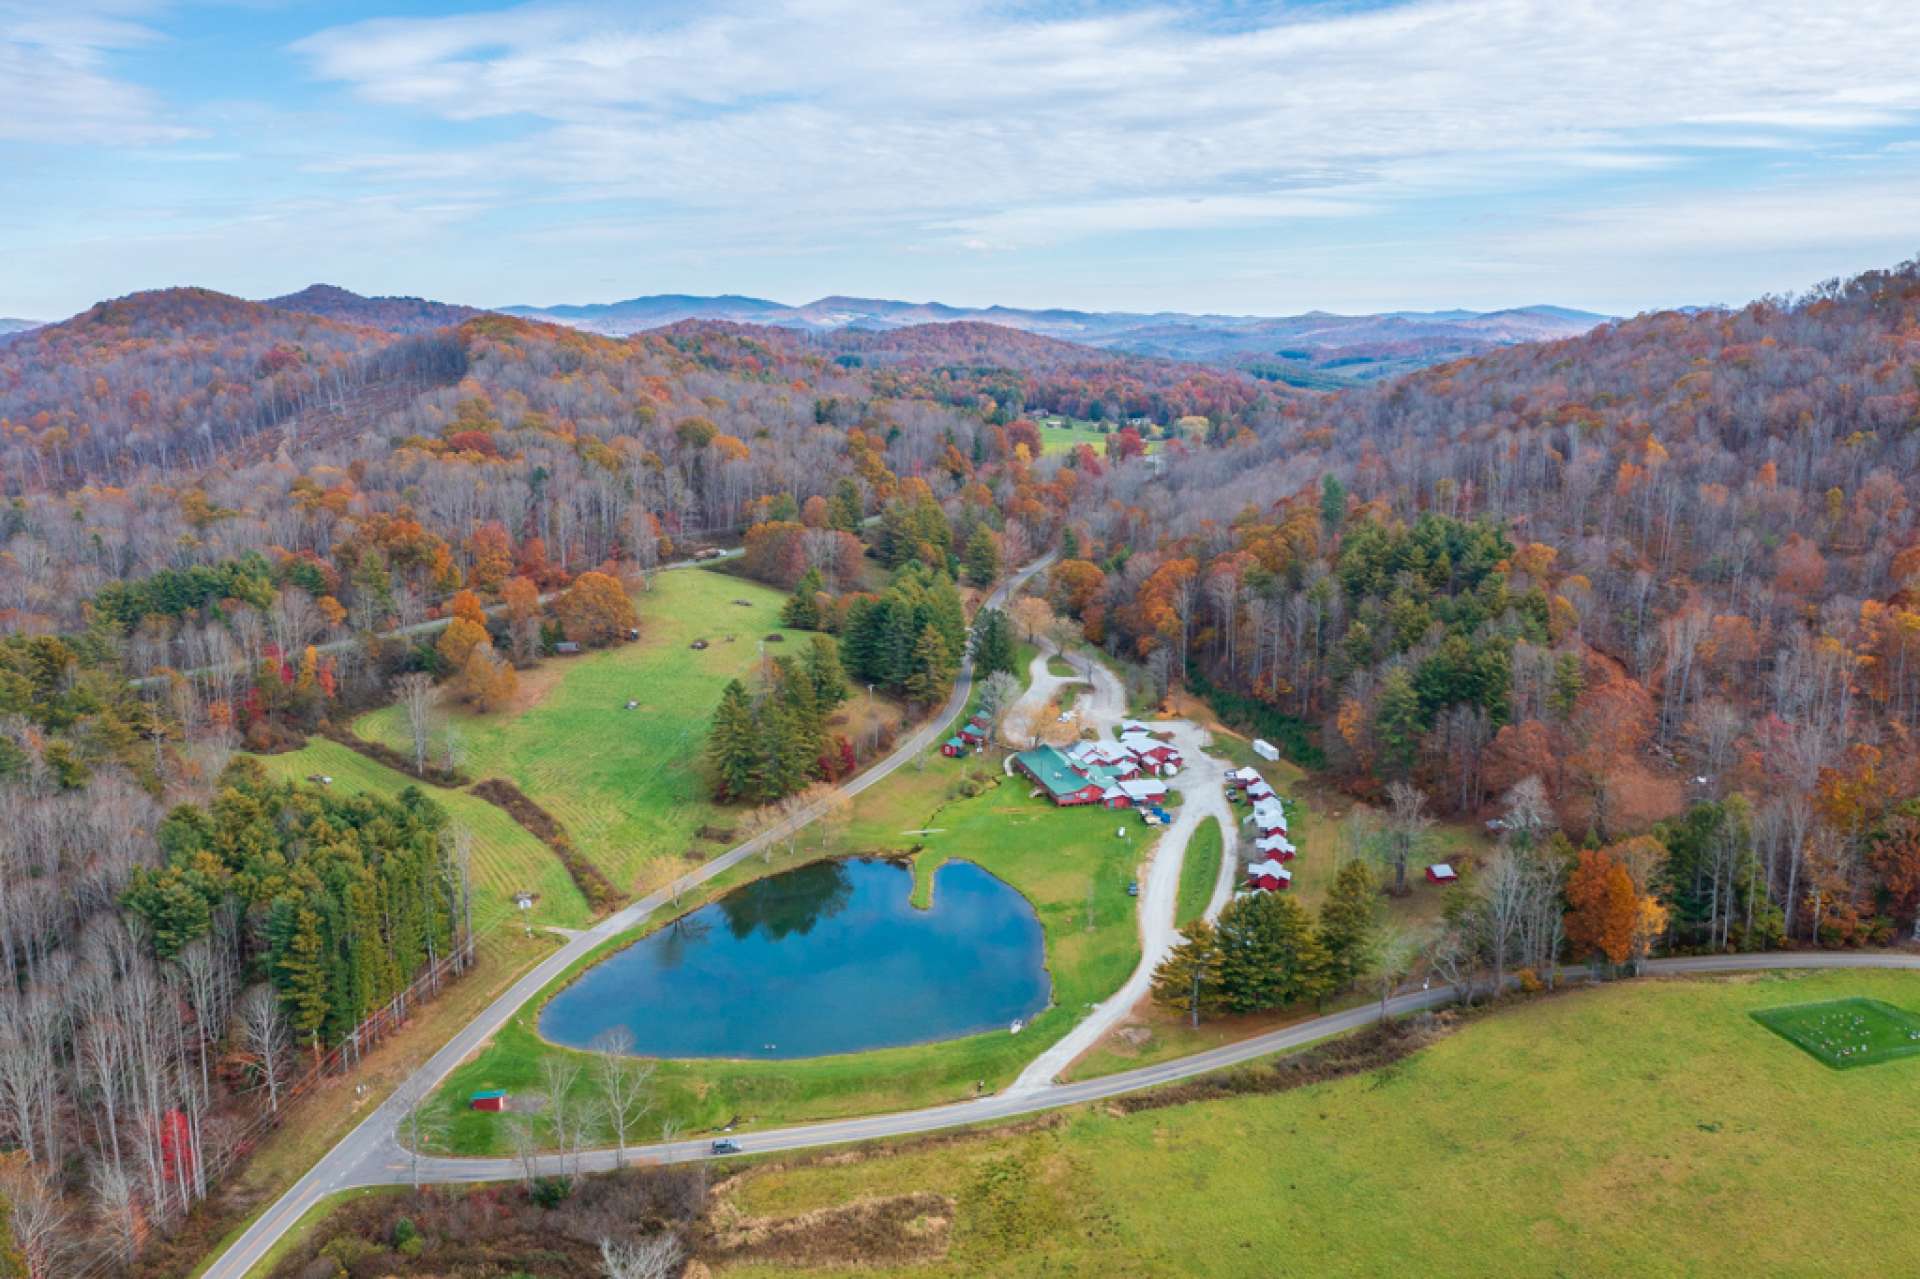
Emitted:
pixel 1442 873
pixel 493 1099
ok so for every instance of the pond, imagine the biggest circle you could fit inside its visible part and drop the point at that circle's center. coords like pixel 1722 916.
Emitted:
pixel 829 958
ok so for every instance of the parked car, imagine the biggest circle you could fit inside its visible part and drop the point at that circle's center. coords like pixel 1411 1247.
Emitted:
pixel 726 1146
pixel 1133 889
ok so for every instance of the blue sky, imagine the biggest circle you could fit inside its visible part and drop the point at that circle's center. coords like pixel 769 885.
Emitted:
pixel 1236 157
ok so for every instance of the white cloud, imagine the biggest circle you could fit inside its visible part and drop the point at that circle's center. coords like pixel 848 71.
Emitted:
pixel 54 82
pixel 980 123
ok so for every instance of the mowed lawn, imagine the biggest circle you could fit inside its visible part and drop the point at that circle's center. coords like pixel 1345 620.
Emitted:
pixel 1642 1128
pixel 627 785
pixel 506 858
pixel 1068 863
pixel 1199 872
pixel 1074 432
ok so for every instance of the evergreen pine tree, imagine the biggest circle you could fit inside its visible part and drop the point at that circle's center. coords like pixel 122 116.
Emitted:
pixel 1252 975
pixel 802 611
pixel 894 659
pixel 1305 969
pixel 992 643
pixel 946 611
pixel 843 510
pixel 823 668
pixel 1346 923
pixel 1333 503
pixel 302 970
pixel 1396 721
pixel 794 685
pixel 933 668
pixel 860 637
pixel 773 766
pixel 983 556
pixel 1188 979
pixel 732 745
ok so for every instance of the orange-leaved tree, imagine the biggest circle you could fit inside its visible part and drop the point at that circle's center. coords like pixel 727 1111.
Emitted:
pixel 595 610
pixel 1605 907
pixel 458 641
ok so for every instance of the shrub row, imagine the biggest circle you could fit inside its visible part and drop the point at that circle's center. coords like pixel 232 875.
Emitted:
pixel 599 891
pixel 1375 1048
pixel 381 753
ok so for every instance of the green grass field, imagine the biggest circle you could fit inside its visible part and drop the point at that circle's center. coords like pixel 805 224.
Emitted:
pixel 1067 862
pixel 1073 432
pixel 506 858
pixel 1846 1033
pixel 1641 1128
pixel 626 784
pixel 1199 872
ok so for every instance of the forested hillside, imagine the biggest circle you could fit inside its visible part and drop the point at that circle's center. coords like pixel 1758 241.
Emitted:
pixel 1667 562
pixel 1654 590
pixel 394 314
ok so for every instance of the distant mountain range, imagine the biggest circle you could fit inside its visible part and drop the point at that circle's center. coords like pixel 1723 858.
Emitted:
pixel 1314 349
pixel 1318 350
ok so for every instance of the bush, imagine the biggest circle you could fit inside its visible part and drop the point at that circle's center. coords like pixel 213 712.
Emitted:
pixel 404 1232
pixel 550 1192
pixel 593 885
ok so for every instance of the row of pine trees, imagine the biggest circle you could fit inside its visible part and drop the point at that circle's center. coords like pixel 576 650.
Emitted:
pixel 771 742
pixel 1267 951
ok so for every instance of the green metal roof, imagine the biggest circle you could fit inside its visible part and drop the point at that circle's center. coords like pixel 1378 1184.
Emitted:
pixel 1052 770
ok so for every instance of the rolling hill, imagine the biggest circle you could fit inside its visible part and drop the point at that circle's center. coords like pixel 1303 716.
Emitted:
pixel 1318 349
pixel 393 314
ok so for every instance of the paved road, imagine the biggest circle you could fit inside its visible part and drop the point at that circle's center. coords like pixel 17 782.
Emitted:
pixel 1202 788
pixel 394 1169
pixel 366 1155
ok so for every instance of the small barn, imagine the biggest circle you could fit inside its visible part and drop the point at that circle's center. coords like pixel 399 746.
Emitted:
pixel 491 1099
pixel 1277 847
pixel 953 746
pixel 1269 818
pixel 1258 789
pixel 1244 777
pixel 1268 876
pixel 972 735
pixel 1442 873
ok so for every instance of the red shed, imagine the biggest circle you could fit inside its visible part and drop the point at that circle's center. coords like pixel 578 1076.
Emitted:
pixel 494 1099
pixel 1442 873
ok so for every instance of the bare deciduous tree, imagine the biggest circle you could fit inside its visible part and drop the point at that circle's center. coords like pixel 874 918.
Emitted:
pixel 415 693
pixel 1407 828
pixel 264 1034
pixel 655 1257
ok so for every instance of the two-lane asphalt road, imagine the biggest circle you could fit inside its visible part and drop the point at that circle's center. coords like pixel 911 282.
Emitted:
pixel 364 1155
pixel 395 1168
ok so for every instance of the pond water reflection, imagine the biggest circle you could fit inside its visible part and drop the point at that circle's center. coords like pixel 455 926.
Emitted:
pixel 828 958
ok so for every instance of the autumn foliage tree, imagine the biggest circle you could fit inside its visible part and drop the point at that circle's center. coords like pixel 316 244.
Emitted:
pixel 595 610
pixel 458 641
pixel 488 680
pixel 1614 912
